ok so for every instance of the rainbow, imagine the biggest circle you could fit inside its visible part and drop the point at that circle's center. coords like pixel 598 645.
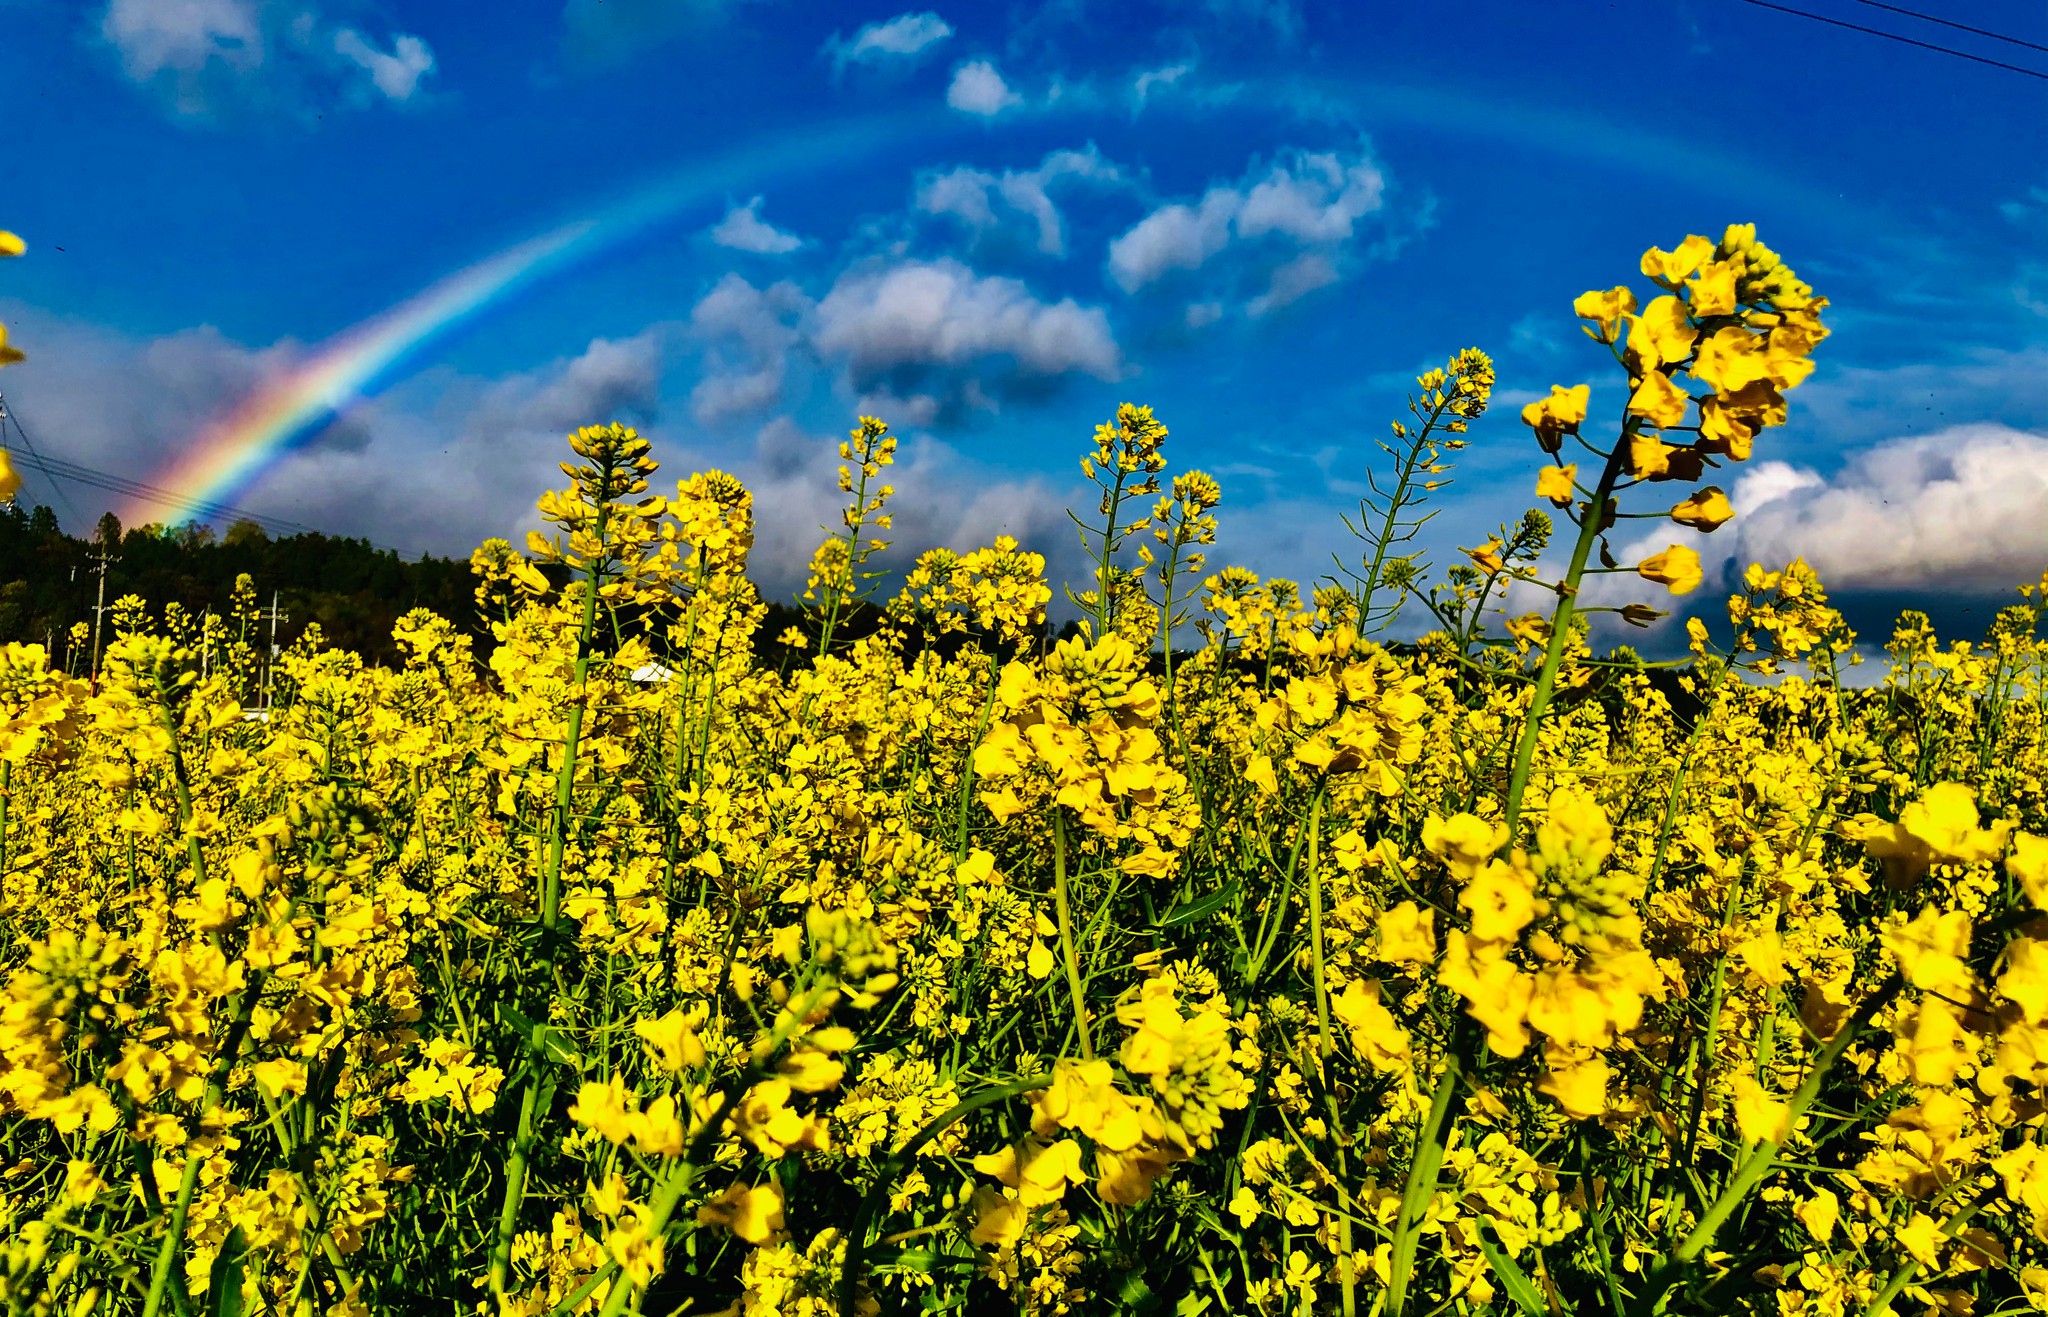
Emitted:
pixel 234 450
pixel 237 447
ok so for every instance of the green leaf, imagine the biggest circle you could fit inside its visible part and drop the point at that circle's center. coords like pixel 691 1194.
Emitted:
pixel 543 1040
pixel 1136 1294
pixel 1512 1278
pixel 1189 912
pixel 224 1289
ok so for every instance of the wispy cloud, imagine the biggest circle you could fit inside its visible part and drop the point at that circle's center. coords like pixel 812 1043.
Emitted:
pixel 904 37
pixel 1149 80
pixel 1293 218
pixel 748 335
pixel 396 75
pixel 208 57
pixel 743 229
pixel 978 88
pixel 984 201
pixel 936 336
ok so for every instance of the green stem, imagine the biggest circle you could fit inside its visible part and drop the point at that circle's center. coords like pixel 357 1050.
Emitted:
pixel 162 1272
pixel 1881 1302
pixel 1763 1158
pixel 856 1238
pixel 1068 951
pixel 1560 627
pixel 662 1205
pixel 515 1192
pixel 988 707
pixel 181 785
pixel 565 773
pixel 1448 1100
pixel 1420 1187
pixel 1390 524
pixel 1326 1043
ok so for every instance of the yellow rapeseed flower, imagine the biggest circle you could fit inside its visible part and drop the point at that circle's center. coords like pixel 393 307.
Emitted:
pixel 1658 400
pixel 1556 484
pixel 1606 309
pixel 1677 569
pixel 1706 510
pixel 1673 268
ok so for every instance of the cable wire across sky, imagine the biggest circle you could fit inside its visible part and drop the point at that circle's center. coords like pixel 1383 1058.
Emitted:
pixel 1960 27
pixel 1912 41
pixel 57 469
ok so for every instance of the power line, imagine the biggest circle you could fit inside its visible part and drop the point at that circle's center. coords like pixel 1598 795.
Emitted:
pixel 73 472
pixel 6 415
pixel 1960 27
pixel 1893 36
pixel 58 469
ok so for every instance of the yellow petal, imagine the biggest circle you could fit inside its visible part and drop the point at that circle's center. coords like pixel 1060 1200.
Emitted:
pixel 1677 569
pixel 1555 483
pixel 1705 510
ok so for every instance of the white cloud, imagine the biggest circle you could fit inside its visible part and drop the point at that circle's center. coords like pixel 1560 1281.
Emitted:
pixel 1960 512
pixel 1174 237
pixel 938 330
pixel 749 335
pixel 977 88
pixel 743 229
pixel 901 37
pixel 1317 198
pixel 447 461
pixel 915 341
pixel 206 55
pixel 1293 281
pixel 181 38
pixel 976 196
pixel 1147 79
pixel 1961 509
pixel 1292 223
pixel 396 75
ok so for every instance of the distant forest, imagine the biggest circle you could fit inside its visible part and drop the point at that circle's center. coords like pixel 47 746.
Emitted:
pixel 50 580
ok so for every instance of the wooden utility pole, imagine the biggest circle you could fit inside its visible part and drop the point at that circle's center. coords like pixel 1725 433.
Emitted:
pixel 103 556
pixel 270 667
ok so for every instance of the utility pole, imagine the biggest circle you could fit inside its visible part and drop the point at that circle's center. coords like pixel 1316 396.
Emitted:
pixel 270 668
pixel 103 556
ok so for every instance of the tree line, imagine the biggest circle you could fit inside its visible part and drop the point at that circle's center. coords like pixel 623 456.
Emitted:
pixel 50 581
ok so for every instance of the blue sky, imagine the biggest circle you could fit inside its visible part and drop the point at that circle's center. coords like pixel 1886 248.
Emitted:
pixel 1259 216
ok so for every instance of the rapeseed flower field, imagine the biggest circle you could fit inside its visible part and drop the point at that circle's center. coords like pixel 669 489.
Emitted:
pixel 1224 957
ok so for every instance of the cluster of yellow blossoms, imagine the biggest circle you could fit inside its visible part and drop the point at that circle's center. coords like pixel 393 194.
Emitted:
pixel 641 967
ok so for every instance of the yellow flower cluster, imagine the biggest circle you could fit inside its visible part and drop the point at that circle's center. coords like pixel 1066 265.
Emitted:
pixel 1219 957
